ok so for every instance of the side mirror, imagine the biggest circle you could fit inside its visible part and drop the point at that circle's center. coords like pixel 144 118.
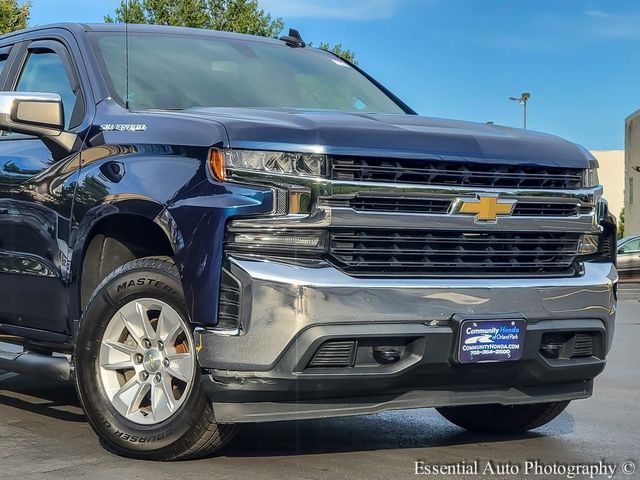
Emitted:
pixel 620 250
pixel 37 114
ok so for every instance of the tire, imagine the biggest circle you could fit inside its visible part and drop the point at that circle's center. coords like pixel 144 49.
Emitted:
pixel 503 418
pixel 167 416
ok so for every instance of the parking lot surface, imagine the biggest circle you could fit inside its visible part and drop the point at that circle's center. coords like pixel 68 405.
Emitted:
pixel 43 434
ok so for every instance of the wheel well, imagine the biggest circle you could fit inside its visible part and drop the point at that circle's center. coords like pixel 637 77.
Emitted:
pixel 114 241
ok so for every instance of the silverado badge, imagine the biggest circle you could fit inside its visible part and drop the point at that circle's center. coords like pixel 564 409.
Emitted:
pixel 486 208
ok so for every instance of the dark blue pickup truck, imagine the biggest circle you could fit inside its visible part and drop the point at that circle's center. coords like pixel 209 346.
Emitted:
pixel 204 229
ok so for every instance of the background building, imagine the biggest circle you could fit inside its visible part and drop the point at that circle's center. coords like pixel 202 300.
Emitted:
pixel 611 174
pixel 632 174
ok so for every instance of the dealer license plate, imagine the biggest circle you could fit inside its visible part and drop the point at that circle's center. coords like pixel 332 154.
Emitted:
pixel 491 340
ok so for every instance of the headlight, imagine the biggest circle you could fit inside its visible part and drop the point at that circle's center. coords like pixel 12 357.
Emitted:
pixel 589 244
pixel 590 177
pixel 224 163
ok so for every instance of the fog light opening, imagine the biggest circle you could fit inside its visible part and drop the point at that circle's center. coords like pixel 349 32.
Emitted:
pixel 387 354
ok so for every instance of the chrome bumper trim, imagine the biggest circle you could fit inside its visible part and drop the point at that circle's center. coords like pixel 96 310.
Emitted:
pixel 282 300
pixel 316 215
pixel 350 218
pixel 324 216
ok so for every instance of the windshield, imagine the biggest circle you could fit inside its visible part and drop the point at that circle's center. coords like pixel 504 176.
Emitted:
pixel 184 71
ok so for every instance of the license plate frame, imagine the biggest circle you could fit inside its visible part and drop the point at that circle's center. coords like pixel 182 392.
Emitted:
pixel 491 340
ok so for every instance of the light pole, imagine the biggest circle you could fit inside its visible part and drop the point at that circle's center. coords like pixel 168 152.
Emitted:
pixel 522 100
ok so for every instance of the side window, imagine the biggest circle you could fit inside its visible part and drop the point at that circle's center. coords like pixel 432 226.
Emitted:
pixel 3 61
pixel 4 56
pixel 45 72
pixel 632 246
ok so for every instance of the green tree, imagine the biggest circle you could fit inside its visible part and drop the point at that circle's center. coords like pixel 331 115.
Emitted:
pixel 242 16
pixel 13 16
pixel 621 224
pixel 344 53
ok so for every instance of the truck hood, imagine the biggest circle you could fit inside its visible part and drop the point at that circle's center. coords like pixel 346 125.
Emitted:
pixel 400 136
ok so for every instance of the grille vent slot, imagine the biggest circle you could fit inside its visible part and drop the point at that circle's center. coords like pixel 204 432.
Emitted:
pixel 535 209
pixel 419 252
pixel 566 345
pixel 582 345
pixel 334 353
pixel 447 173
pixel 229 302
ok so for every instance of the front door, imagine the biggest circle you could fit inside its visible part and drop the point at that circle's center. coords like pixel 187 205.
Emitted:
pixel 35 203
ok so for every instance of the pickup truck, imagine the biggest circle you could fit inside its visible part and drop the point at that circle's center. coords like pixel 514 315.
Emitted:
pixel 204 229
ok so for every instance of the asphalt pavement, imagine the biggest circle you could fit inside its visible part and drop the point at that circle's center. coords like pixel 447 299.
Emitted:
pixel 43 435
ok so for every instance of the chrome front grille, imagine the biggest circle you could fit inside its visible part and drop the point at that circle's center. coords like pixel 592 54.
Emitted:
pixel 447 173
pixel 452 253
pixel 385 217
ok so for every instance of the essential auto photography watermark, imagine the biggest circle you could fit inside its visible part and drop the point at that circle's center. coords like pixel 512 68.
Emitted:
pixel 528 468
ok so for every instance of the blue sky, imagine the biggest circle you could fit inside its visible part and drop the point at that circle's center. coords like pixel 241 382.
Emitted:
pixel 580 59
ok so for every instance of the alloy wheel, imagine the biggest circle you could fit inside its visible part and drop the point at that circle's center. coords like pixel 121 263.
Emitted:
pixel 147 361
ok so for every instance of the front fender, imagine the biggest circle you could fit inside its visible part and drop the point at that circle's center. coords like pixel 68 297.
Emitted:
pixel 171 188
pixel 200 220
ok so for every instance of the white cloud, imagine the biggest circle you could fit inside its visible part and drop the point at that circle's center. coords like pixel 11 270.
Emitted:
pixel 597 14
pixel 514 42
pixel 337 9
pixel 613 26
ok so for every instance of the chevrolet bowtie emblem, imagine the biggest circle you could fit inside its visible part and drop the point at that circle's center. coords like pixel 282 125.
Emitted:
pixel 486 208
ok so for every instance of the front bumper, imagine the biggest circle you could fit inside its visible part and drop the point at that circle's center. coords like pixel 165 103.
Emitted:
pixel 288 311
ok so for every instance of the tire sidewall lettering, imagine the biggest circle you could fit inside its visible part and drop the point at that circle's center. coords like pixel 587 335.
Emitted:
pixel 143 281
pixel 127 437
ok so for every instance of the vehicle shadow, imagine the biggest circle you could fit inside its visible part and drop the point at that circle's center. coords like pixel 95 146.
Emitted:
pixel 420 428
pixel 43 397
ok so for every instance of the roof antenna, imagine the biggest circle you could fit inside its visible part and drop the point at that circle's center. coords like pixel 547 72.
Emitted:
pixel 293 39
pixel 126 54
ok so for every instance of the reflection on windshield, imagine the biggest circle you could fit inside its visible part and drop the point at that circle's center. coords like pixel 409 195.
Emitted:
pixel 184 71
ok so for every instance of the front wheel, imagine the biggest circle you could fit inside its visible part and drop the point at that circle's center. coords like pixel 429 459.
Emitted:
pixel 137 374
pixel 503 418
